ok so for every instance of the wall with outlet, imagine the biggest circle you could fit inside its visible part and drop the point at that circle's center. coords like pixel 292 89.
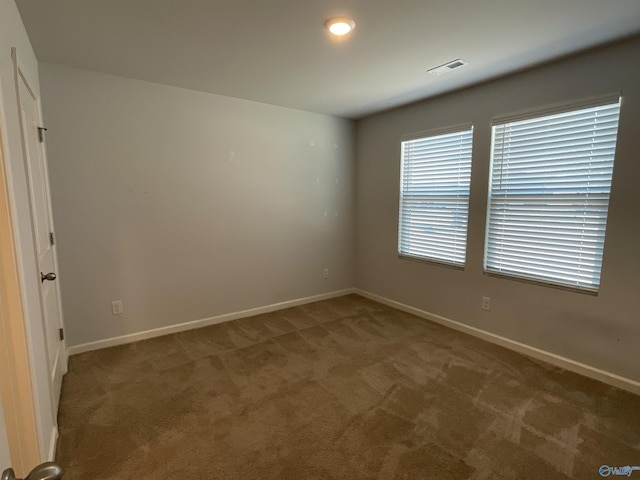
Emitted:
pixel 184 205
pixel 601 331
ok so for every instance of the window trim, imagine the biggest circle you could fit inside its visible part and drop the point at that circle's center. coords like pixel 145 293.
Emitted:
pixel 458 128
pixel 434 132
pixel 556 108
pixel 432 261
pixel 523 115
pixel 542 283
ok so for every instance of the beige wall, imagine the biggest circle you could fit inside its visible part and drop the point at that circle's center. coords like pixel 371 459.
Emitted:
pixel 188 205
pixel 602 331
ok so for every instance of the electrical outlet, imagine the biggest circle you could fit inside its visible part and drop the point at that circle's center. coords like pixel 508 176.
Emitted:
pixel 117 308
pixel 486 303
pixel 325 273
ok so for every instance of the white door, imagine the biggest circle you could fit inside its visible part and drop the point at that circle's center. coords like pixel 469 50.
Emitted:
pixel 43 235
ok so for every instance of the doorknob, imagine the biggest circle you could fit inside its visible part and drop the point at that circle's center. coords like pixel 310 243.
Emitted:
pixel 49 276
pixel 45 471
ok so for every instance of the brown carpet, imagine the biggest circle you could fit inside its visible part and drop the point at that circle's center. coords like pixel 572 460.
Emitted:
pixel 340 389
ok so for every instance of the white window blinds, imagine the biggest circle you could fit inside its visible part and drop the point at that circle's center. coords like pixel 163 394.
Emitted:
pixel 549 194
pixel 434 196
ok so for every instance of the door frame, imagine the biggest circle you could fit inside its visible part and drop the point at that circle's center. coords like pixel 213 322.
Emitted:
pixel 61 361
pixel 16 386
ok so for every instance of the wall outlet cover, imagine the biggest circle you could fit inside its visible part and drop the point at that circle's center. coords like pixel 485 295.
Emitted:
pixel 117 307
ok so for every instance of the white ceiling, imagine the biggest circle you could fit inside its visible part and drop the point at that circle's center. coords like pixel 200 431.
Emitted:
pixel 277 52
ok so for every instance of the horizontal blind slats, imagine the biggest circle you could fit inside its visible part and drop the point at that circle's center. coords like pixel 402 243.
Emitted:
pixel 549 195
pixel 560 126
pixel 434 197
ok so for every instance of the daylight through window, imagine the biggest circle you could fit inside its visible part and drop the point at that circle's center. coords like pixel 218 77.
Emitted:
pixel 549 194
pixel 434 196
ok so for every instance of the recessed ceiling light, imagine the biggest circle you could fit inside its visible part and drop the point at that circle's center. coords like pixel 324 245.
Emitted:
pixel 340 26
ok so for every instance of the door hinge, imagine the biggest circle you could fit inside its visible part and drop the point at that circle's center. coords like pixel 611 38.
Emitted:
pixel 52 239
pixel 41 131
pixel 61 332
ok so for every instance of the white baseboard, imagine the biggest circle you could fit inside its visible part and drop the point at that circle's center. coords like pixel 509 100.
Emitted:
pixel 158 332
pixel 557 360
pixel 53 442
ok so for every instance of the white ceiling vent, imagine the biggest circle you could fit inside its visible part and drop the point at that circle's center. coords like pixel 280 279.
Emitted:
pixel 447 67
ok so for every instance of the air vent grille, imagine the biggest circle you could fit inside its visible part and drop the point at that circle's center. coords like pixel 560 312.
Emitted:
pixel 447 67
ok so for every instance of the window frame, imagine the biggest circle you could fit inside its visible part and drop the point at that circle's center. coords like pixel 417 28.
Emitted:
pixel 465 128
pixel 540 113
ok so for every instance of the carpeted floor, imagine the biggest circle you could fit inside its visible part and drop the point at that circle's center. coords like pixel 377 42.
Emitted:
pixel 340 389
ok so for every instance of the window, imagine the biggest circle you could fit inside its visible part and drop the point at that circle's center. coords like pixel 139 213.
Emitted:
pixel 549 194
pixel 434 196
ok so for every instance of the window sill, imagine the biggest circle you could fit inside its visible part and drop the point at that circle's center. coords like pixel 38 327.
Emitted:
pixel 430 261
pixel 542 283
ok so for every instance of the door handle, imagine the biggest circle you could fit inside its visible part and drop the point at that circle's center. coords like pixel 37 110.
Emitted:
pixel 49 276
pixel 44 471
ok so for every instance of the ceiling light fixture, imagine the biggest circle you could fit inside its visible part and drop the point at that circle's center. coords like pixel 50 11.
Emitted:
pixel 340 26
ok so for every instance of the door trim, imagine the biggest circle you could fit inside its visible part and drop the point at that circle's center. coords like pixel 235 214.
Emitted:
pixel 21 78
pixel 16 387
